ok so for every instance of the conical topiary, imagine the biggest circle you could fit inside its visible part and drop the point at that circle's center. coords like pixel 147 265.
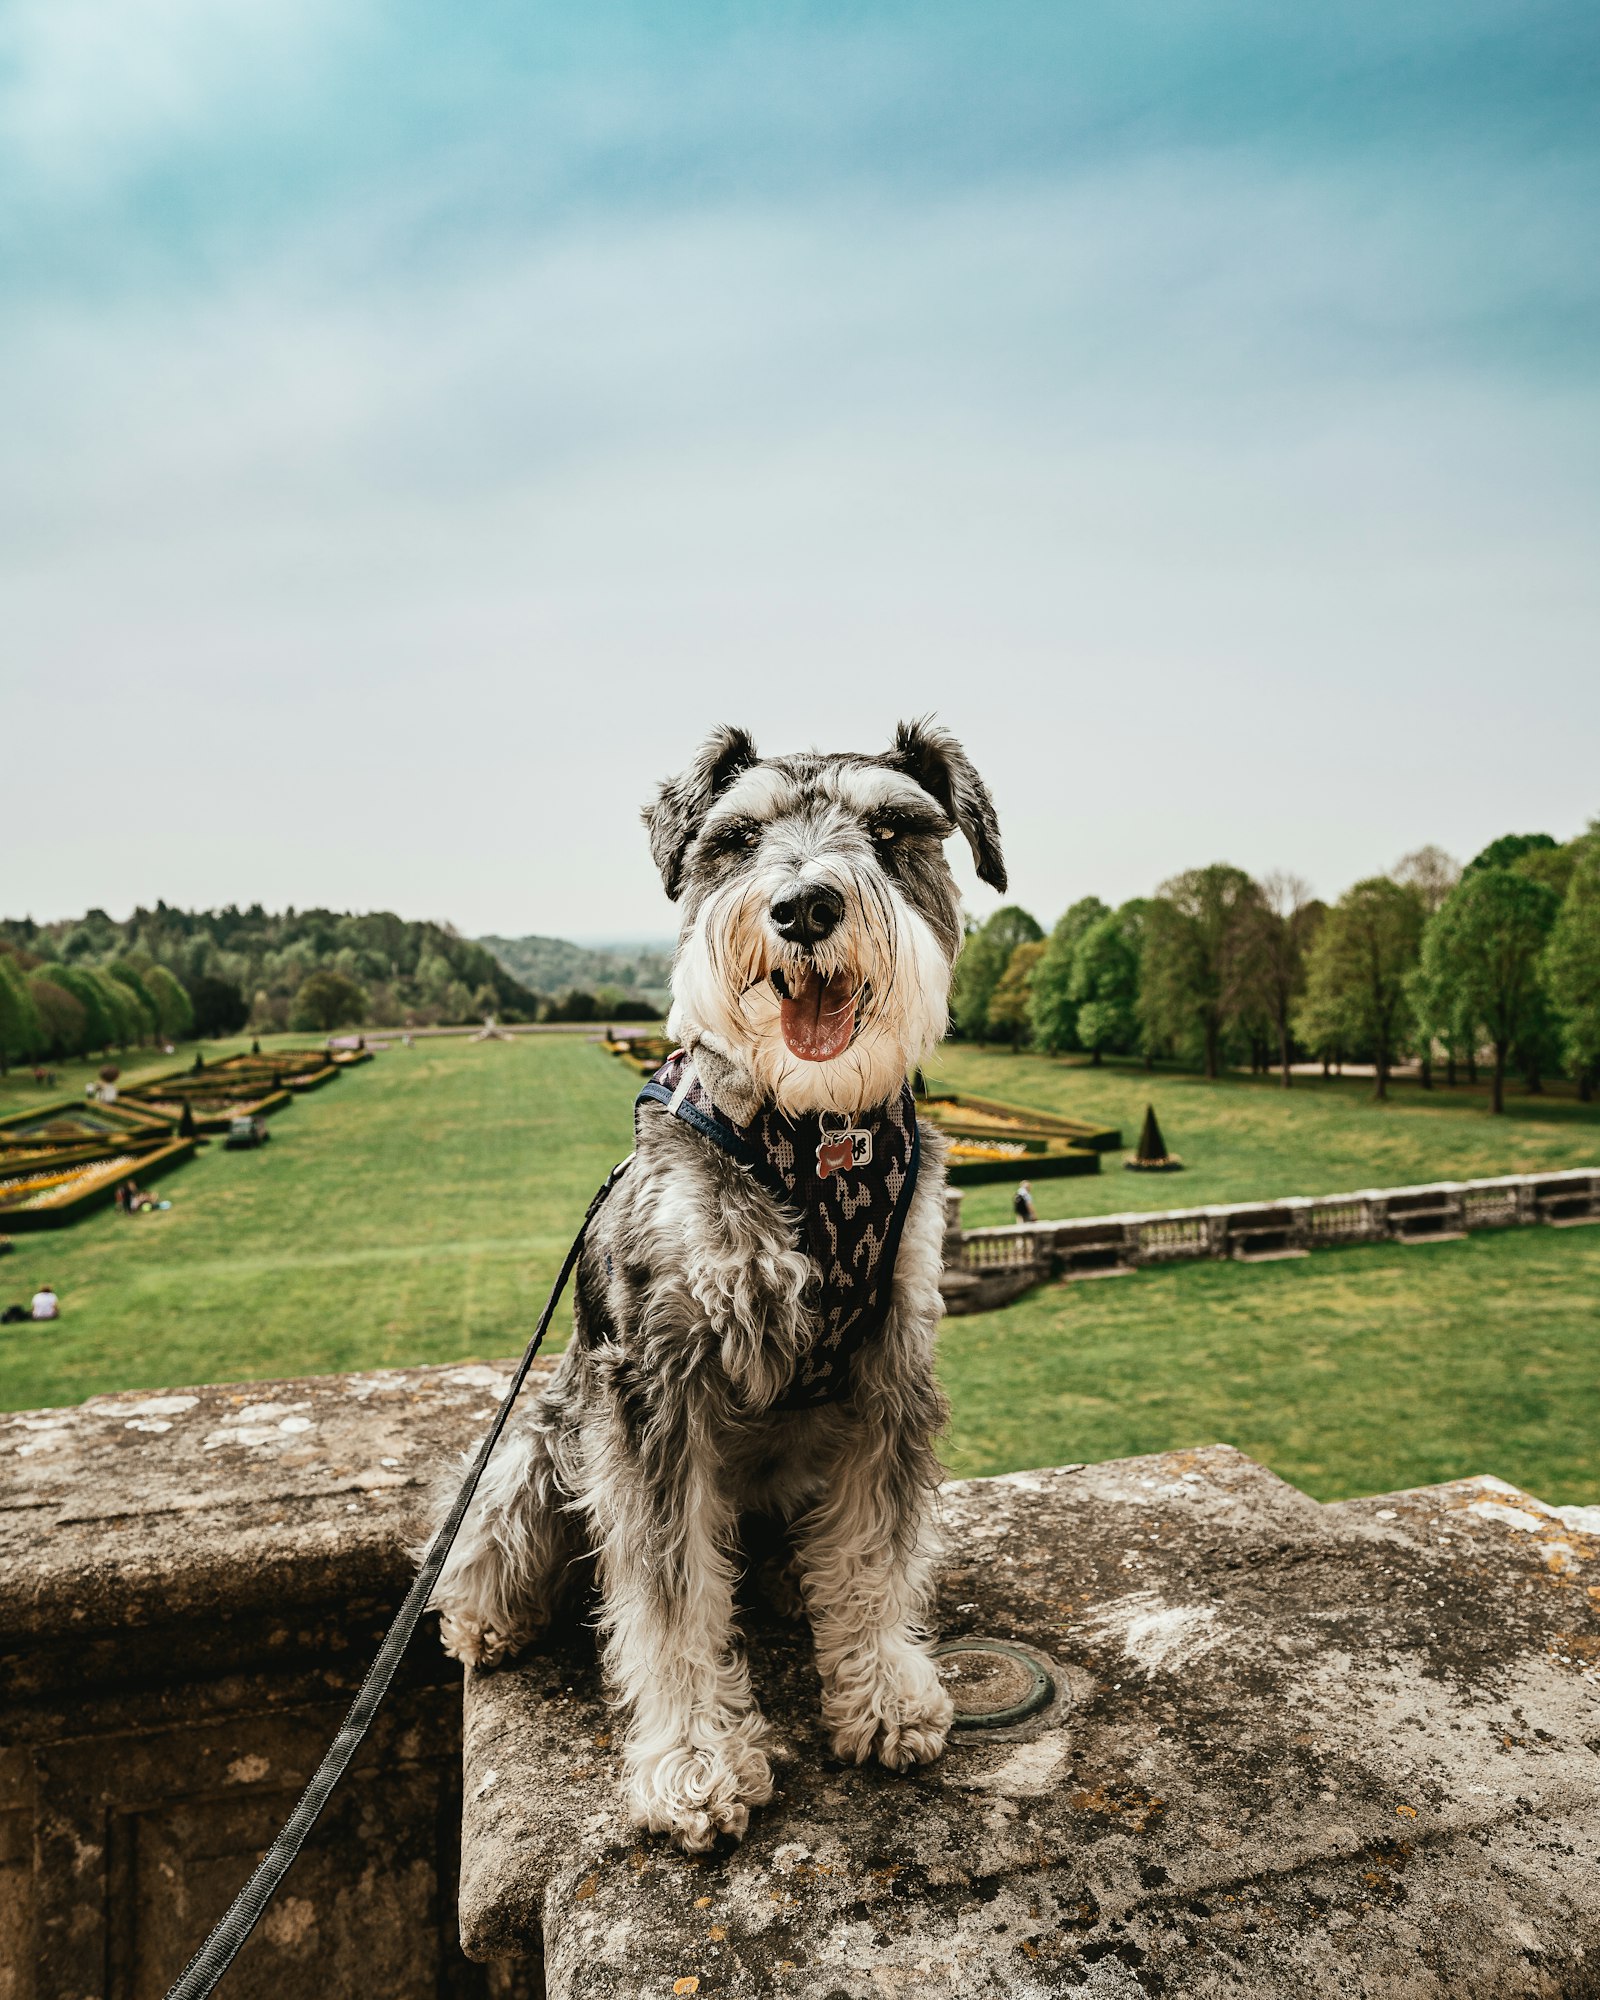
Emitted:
pixel 1152 1156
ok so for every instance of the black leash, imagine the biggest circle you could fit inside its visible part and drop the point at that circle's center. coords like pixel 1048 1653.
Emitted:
pixel 200 1976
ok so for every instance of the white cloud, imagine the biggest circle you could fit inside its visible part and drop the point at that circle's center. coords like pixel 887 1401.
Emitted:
pixel 91 89
pixel 402 578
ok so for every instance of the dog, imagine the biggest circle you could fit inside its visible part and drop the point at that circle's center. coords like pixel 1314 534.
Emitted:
pixel 756 1304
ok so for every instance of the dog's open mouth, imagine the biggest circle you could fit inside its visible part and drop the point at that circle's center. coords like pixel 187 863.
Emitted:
pixel 817 1015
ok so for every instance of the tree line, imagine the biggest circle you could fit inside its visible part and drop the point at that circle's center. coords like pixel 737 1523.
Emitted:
pixel 93 983
pixel 1497 963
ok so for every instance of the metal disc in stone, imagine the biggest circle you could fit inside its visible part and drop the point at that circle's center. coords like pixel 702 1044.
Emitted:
pixel 992 1684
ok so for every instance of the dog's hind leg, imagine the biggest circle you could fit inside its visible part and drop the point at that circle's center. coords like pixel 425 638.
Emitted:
pixel 693 1762
pixel 866 1554
pixel 501 1581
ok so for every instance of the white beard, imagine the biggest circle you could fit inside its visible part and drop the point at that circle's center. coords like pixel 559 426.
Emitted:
pixel 723 995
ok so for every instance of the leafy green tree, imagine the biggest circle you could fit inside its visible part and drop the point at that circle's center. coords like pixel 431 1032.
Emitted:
pixel 174 1009
pixel 1537 855
pixel 1440 1012
pixel 1054 1008
pixel 1572 965
pixel 219 1007
pixel 1510 850
pixel 122 1009
pixel 1287 918
pixel 1105 981
pixel 328 1000
pixel 130 977
pixel 20 1032
pixel 1553 866
pixel 63 1018
pixel 434 976
pixel 1009 1003
pixel 984 958
pixel 1197 972
pixel 274 953
pixel 457 1002
pixel 1485 946
pixel 100 1023
pixel 1359 973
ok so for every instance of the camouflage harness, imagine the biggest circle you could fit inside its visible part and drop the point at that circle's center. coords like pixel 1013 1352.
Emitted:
pixel 845 1185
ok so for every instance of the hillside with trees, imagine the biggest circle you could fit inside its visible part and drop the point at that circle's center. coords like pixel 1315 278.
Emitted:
pixel 1495 964
pixel 94 983
pixel 555 965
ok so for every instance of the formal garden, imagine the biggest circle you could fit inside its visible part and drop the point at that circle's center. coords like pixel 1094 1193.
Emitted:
pixel 419 1211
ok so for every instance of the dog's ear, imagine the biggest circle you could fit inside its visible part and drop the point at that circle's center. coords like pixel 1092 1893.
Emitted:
pixel 673 816
pixel 940 766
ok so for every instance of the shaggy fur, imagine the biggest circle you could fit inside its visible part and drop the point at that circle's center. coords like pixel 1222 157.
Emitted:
pixel 659 1429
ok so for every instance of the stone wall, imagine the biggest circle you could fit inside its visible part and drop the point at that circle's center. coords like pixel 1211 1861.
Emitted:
pixel 191 1587
pixel 1285 1749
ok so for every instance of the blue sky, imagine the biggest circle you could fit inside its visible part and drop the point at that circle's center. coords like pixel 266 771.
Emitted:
pixel 420 424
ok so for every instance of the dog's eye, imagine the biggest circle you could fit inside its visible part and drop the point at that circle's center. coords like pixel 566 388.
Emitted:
pixel 883 833
pixel 734 837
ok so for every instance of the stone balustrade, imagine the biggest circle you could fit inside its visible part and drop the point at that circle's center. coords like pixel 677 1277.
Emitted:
pixel 986 1266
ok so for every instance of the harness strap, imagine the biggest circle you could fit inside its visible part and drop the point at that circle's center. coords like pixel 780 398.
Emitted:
pixel 851 1299
pixel 200 1976
pixel 686 1083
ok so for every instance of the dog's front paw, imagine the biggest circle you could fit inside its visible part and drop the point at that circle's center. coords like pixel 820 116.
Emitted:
pixel 696 1794
pixel 478 1644
pixel 901 1717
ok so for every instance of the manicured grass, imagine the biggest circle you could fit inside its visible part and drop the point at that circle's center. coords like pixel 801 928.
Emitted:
pixel 417 1209
pixel 1244 1139
pixel 1350 1371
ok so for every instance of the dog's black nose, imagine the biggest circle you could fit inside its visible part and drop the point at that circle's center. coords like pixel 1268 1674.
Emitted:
pixel 809 914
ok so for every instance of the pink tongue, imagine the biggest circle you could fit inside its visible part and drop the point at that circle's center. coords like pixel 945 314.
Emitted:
pixel 817 1017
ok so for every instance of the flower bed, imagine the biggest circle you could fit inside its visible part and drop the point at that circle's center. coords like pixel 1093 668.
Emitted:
pixel 991 1141
pixel 45 1198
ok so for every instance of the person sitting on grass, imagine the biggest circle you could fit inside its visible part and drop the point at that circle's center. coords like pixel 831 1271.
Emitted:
pixel 45 1303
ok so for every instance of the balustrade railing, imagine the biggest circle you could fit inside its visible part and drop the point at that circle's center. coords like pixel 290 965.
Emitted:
pixel 1093 1245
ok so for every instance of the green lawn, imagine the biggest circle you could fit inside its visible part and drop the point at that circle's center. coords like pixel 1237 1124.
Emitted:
pixel 1350 1371
pixel 417 1210
pixel 1244 1138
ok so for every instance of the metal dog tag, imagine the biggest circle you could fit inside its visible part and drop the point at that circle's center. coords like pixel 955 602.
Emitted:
pixel 837 1152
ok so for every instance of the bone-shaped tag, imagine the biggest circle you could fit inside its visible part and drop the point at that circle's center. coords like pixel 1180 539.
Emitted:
pixel 837 1152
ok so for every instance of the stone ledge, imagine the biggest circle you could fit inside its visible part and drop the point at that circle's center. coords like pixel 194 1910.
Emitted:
pixel 191 1586
pixel 1301 1750
pixel 148 1506
pixel 153 1546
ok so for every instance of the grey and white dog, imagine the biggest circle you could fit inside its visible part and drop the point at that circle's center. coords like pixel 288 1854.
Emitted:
pixel 820 926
